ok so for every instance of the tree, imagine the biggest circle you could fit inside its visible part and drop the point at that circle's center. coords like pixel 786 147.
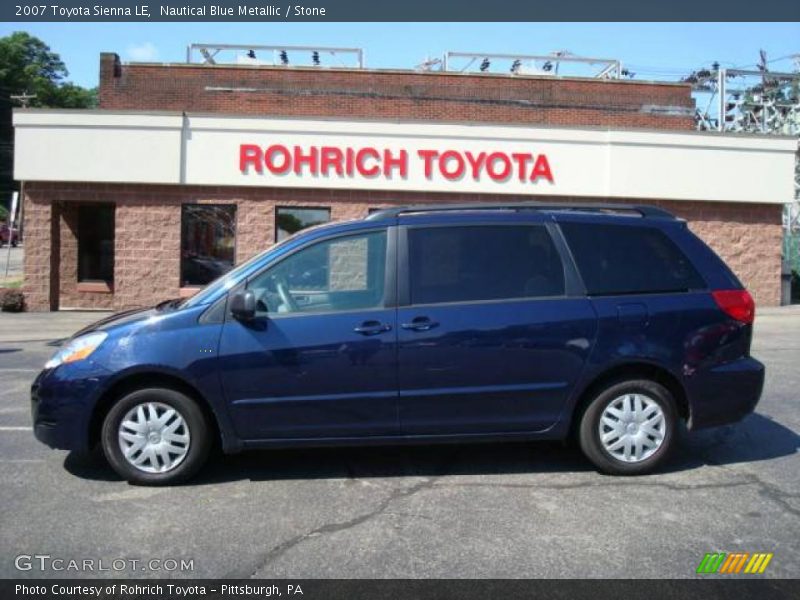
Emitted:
pixel 69 95
pixel 28 66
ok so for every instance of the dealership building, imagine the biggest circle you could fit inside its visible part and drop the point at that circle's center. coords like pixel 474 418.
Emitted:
pixel 186 169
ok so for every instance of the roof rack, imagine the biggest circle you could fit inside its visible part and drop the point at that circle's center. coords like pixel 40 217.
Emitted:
pixel 642 210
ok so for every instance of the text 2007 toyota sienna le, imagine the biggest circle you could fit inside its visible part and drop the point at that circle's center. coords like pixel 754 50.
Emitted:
pixel 424 324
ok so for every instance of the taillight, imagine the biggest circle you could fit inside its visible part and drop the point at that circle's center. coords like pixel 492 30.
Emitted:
pixel 737 304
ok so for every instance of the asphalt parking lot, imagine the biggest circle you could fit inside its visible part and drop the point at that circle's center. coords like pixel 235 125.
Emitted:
pixel 512 510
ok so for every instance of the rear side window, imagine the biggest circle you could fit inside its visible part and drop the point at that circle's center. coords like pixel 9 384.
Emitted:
pixel 466 264
pixel 618 259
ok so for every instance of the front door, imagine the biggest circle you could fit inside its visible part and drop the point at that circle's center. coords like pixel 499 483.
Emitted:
pixel 320 358
pixel 488 342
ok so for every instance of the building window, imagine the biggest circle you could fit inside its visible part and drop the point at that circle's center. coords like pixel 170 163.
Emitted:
pixel 96 243
pixel 208 233
pixel 289 221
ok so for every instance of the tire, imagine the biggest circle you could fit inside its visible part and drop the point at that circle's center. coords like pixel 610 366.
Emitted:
pixel 623 430
pixel 166 432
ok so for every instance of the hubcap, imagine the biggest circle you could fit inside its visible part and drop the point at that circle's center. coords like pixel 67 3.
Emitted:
pixel 632 427
pixel 154 437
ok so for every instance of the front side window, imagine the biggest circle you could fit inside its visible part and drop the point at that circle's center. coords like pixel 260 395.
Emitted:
pixel 467 264
pixel 620 259
pixel 289 221
pixel 96 243
pixel 208 233
pixel 341 274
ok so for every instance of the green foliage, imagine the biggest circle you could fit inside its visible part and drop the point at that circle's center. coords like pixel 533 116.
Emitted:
pixel 28 66
pixel 69 95
pixel 3 214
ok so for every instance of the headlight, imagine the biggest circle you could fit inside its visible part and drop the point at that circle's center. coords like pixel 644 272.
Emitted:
pixel 78 349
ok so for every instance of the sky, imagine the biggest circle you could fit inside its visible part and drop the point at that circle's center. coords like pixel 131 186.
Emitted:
pixel 664 51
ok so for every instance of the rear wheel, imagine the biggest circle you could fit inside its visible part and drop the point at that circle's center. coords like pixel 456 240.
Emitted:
pixel 156 436
pixel 629 427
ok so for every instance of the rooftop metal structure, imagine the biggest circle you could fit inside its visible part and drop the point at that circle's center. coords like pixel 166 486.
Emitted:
pixel 254 54
pixel 604 208
pixel 561 63
pixel 536 64
pixel 756 101
pixel 749 101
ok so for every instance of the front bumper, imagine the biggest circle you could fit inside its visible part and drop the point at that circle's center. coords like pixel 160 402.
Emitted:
pixel 62 402
pixel 725 394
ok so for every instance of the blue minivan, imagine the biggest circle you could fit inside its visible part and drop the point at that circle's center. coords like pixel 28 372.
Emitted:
pixel 446 323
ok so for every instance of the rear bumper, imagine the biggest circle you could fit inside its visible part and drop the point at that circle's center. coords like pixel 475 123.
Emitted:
pixel 724 394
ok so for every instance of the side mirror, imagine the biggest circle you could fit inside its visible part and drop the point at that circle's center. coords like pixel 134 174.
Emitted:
pixel 243 306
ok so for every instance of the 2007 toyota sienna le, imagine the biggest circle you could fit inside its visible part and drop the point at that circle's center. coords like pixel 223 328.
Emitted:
pixel 612 323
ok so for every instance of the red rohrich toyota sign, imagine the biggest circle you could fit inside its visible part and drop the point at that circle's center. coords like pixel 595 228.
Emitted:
pixel 370 162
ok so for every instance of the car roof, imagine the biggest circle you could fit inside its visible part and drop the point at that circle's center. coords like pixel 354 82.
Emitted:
pixel 483 212
pixel 640 210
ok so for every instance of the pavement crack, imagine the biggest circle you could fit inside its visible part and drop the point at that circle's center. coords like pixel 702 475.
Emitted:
pixel 329 528
pixel 770 491
pixel 589 484
pixel 775 494
pixel 431 483
pixel 397 494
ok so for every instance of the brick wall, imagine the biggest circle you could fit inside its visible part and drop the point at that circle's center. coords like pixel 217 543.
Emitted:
pixel 41 257
pixel 310 92
pixel 748 237
pixel 147 242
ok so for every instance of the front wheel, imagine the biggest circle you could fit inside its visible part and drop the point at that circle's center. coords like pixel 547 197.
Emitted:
pixel 629 427
pixel 156 436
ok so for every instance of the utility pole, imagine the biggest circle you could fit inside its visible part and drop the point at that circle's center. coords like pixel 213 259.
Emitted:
pixel 23 98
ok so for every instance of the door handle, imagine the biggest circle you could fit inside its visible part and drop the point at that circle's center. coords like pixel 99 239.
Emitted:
pixel 372 328
pixel 420 324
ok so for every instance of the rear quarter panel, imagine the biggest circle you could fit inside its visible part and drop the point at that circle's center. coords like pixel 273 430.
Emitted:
pixel 684 334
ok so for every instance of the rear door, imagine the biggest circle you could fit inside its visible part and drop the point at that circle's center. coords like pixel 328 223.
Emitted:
pixel 491 338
